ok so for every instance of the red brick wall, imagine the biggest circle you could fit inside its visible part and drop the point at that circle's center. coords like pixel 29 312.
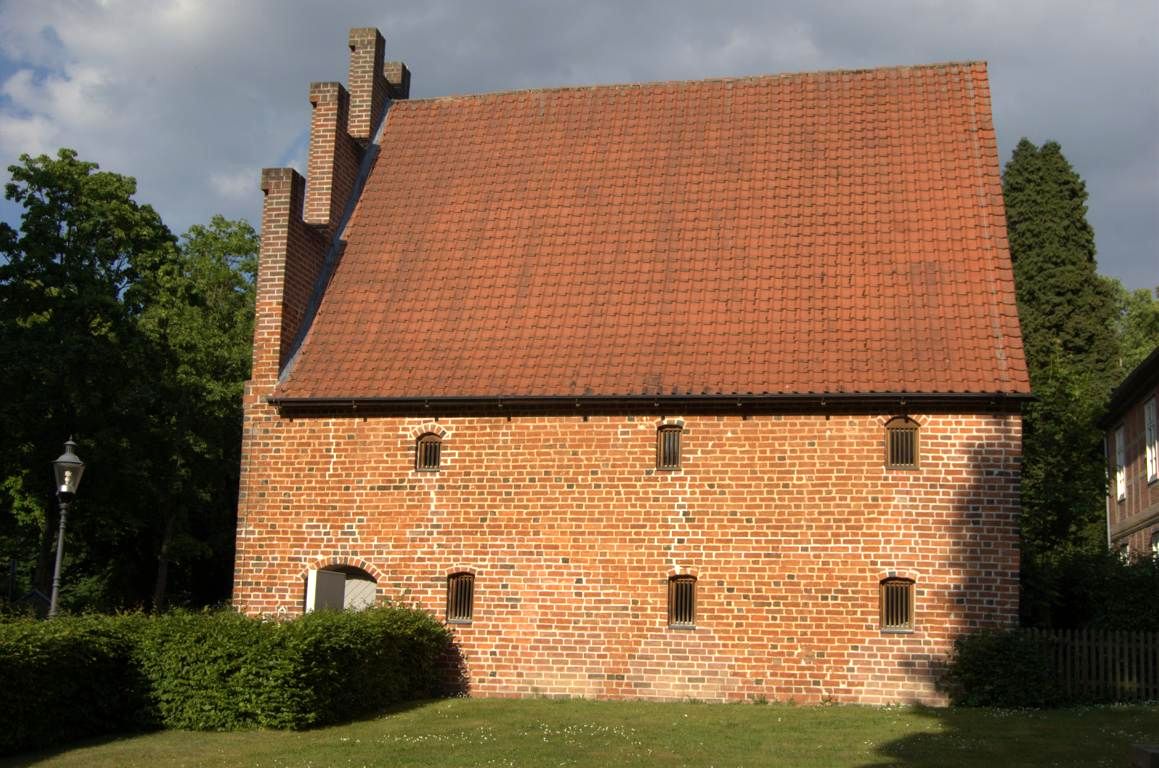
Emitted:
pixel 333 158
pixel 368 85
pixel 289 262
pixel 789 522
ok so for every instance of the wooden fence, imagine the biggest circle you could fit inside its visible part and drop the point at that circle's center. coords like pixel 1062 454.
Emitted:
pixel 1099 665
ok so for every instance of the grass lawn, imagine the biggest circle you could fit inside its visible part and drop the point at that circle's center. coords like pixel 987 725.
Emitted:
pixel 539 732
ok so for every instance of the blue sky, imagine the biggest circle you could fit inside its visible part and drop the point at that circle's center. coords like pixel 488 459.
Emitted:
pixel 194 98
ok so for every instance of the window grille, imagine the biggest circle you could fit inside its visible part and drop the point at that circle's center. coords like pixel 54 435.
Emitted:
pixel 897 604
pixel 682 601
pixel 901 449
pixel 428 451
pixel 668 448
pixel 460 597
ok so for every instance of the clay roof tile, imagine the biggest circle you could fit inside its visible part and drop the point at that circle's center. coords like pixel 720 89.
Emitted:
pixel 812 233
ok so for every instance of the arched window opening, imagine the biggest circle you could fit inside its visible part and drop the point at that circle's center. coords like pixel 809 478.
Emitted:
pixel 682 602
pixel 428 452
pixel 339 587
pixel 461 598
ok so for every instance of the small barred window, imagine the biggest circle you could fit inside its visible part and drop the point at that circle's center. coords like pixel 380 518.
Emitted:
pixel 460 597
pixel 901 443
pixel 427 452
pixel 668 447
pixel 682 601
pixel 897 604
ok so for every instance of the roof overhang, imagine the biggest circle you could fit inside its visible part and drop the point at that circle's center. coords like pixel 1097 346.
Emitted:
pixel 790 402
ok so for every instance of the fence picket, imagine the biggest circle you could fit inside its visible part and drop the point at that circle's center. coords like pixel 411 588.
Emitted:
pixel 1102 665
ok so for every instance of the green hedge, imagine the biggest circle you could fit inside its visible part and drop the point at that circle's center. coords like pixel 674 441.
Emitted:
pixel 223 671
pixel 1006 668
pixel 66 679
pixel 76 677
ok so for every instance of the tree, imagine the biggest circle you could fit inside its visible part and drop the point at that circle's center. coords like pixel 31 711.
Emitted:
pixel 199 323
pixel 112 331
pixel 1065 308
pixel 1067 314
pixel 67 303
pixel 1063 467
pixel 1136 325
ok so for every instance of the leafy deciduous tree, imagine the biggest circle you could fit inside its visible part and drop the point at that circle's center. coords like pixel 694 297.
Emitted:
pixel 1136 325
pixel 112 331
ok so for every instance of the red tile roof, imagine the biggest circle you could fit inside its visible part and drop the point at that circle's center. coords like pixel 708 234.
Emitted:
pixel 837 232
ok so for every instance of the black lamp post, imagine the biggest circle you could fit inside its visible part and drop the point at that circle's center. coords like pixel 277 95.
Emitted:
pixel 68 469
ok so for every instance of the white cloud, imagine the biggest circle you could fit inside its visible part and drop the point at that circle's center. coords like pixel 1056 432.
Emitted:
pixel 193 96
pixel 236 186
pixel 182 95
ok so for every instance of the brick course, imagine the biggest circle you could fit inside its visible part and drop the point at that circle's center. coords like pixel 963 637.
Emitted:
pixel 572 534
pixel 289 263
pixel 334 156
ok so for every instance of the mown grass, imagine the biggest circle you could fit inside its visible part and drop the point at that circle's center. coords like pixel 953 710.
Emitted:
pixel 489 732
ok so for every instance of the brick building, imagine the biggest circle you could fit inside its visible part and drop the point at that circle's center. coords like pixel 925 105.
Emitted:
pixel 1133 462
pixel 693 389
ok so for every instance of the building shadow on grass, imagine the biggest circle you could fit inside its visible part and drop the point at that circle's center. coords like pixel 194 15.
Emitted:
pixel 37 756
pixel 918 750
pixel 1078 737
pixel 42 754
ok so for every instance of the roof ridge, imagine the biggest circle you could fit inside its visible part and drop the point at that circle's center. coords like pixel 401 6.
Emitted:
pixel 964 64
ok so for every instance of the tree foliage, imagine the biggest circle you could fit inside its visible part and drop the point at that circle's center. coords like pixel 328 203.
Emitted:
pixel 1065 309
pixel 197 326
pixel 1097 589
pixel 1063 480
pixel 1068 328
pixel 137 344
pixel 1136 325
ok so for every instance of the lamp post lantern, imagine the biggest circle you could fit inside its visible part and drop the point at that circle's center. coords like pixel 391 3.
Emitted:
pixel 67 469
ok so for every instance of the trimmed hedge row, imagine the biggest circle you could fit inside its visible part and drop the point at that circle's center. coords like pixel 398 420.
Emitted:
pixel 67 679
pixel 77 677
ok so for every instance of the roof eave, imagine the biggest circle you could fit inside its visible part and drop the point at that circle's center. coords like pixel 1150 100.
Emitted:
pixel 807 400
pixel 1138 381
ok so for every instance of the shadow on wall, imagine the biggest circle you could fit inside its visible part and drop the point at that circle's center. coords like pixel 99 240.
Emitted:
pixel 983 554
pixel 455 679
pixel 987 550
